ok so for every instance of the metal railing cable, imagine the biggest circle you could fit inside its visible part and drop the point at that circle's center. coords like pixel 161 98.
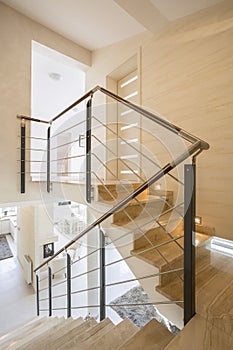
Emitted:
pixel 132 146
pixel 136 199
pixel 138 228
pixel 126 200
pixel 196 147
pixel 120 182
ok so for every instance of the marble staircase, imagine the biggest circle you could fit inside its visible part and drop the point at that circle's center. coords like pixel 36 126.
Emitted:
pixel 212 326
pixel 58 333
pixel 167 256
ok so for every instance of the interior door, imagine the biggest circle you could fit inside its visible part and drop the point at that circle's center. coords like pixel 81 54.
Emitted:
pixel 129 129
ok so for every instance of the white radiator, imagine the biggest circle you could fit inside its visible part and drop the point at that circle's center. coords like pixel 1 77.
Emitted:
pixel 27 268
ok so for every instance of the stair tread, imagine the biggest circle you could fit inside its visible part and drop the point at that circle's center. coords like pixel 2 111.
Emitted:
pixel 152 336
pixel 26 336
pixel 48 337
pixel 202 335
pixel 84 339
pixel 115 336
pixel 170 251
pixel 70 334
pixel 214 288
pixel 20 329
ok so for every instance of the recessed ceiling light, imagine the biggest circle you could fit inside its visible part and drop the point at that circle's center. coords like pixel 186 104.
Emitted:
pixel 55 76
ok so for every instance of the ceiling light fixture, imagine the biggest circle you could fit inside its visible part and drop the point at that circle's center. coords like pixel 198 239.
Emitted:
pixel 55 76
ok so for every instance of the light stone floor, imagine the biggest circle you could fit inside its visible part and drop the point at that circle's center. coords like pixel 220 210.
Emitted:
pixel 17 298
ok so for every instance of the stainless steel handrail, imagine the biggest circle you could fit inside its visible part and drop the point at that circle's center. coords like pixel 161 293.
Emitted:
pixel 172 127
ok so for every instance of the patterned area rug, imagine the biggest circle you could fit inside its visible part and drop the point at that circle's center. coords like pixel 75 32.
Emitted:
pixel 141 314
pixel 5 251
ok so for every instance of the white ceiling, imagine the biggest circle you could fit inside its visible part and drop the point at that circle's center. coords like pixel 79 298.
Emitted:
pixel 97 23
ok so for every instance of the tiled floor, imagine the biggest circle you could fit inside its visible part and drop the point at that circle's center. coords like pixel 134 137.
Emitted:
pixel 17 299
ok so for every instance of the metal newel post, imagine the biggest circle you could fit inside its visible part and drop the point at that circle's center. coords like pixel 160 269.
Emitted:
pixel 102 276
pixel 189 240
pixel 37 295
pixel 22 156
pixel 50 290
pixel 48 160
pixel 88 150
pixel 68 280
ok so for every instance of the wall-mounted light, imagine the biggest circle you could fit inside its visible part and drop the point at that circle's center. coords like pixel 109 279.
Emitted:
pixel 222 245
pixel 198 220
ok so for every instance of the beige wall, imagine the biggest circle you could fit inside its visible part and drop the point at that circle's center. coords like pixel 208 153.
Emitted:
pixel 16 33
pixel 186 75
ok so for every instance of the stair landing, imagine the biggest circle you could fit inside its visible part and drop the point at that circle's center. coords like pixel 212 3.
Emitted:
pixel 199 334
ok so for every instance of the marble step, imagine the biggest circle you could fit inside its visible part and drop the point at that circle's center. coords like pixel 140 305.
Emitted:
pixel 158 234
pixel 145 208
pixel 202 335
pixel 84 327
pixel 47 338
pixel 20 329
pixel 111 192
pixel 84 339
pixel 178 263
pixel 214 288
pixel 173 289
pixel 214 298
pixel 153 336
pixel 167 257
pixel 115 337
pixel 28 335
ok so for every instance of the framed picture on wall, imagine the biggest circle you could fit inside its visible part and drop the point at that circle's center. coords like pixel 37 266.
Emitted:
pixel 48 250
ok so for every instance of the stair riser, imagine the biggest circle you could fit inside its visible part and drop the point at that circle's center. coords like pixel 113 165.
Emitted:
pixel 137 211
pixel 175 264
pixel 158 235
pixel 110 193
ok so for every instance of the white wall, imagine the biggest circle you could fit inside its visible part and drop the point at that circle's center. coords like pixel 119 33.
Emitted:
pixel 26 233
pixel 49 97
pixel 16 35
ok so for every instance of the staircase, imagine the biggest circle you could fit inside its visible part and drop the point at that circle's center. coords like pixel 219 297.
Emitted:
pixel 70 334
pixel 149 217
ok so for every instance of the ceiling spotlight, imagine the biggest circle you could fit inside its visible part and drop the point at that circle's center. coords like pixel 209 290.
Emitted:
pixel 55 76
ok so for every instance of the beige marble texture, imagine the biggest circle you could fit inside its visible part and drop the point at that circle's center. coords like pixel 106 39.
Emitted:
pixel 199 334
pixel 152 336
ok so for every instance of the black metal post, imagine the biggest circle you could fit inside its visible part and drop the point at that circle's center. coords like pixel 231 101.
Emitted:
pixel 37 295
pixel 88 150
pixel 68 280
pixel 48 160
pixel 189 240
pixel 22 157
pixel 50 290
pixel 102 276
